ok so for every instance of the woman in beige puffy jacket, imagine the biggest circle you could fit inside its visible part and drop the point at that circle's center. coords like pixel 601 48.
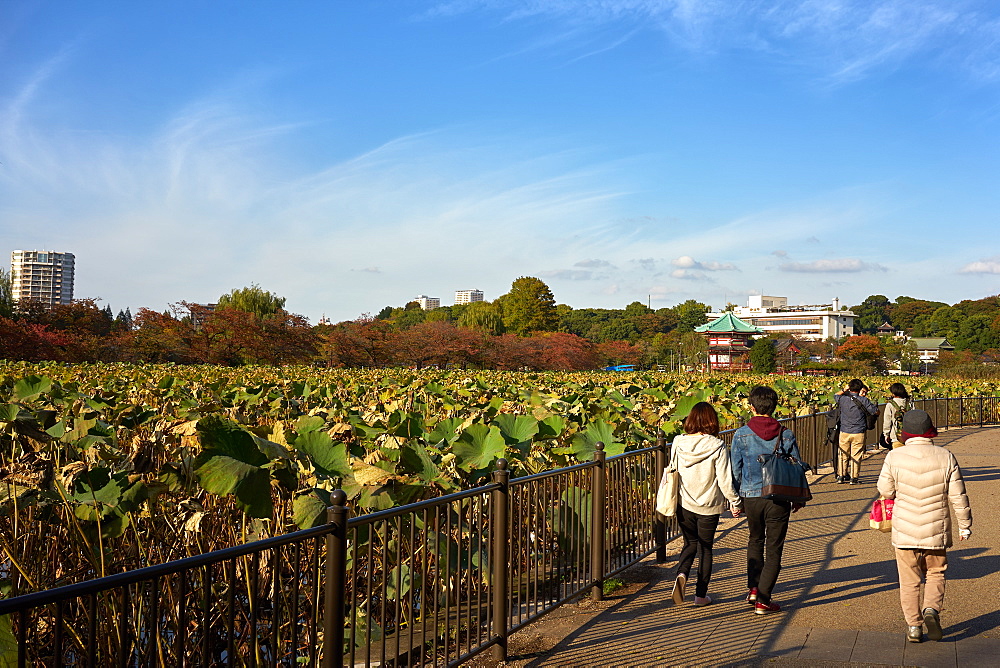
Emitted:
pixel 923 479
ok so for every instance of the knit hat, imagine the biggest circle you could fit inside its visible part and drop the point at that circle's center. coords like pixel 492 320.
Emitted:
pixel 917 423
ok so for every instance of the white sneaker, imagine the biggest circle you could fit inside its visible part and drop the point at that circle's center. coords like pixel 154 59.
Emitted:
pixel 702 600
pixel 677 594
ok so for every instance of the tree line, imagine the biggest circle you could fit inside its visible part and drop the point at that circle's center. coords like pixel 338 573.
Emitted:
pixel 524 328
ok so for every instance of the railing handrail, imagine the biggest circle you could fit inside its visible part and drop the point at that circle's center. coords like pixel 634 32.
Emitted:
pixel 146 573
pixel 153 573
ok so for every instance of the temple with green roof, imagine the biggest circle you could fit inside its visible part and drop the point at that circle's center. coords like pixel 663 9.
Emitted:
pixel 729 340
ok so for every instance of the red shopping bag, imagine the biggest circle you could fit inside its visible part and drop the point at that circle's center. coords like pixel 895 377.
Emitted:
pixel 881 515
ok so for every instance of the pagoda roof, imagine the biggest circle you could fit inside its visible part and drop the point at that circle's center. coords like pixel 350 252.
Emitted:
pixel 728 322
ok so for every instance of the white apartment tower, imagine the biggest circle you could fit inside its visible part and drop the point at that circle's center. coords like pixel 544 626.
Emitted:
pixel 43 276
pixel 428 303
pixel 468 296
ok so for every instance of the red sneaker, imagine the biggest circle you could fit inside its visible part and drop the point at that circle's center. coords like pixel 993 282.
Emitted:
pixel 764 608
pixel 752 596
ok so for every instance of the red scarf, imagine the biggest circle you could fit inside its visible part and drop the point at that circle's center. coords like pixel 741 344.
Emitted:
pixel 765 426
pixel 927 434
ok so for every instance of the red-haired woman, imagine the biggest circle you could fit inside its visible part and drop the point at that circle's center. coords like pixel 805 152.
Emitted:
pixel 706 484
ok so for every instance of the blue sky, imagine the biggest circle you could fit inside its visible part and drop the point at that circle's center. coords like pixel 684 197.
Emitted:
pixel 352 155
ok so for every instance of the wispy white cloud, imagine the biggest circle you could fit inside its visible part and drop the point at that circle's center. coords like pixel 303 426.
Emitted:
pixel 838 266
pixel 689 275
pixel 688 262
pixel 990 265
pixel 594 264
pixel 842 40
pixel 570 274
pixel 209 202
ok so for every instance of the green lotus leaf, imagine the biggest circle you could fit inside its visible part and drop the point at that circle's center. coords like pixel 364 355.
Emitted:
pixel 309 509
pixel 478 446
pixel 329 457
pixel 517 429
pixel 308 423
pixel 585 442
pixel 30 387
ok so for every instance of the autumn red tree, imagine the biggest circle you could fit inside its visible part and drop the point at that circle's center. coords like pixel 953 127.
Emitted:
pixel 360 343
pixel 865 349
pixel 161 337
pixel 232 336
pixel 568 352
pixel 619 352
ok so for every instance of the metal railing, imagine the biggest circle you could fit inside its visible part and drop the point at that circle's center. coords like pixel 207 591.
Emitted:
pixel 430 583
pixel 813 437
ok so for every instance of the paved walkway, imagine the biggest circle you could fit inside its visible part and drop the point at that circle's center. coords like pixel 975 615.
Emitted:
pixel 838 589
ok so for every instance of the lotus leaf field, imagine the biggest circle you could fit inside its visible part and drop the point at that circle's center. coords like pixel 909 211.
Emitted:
pixel 111 467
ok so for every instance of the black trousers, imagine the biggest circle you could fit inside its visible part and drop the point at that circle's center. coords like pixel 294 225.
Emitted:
pixel 698 532
pixel 768 524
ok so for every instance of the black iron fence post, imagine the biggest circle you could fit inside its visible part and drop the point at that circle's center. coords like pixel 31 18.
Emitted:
pixel 499 539
pixel 597 525
pixel 336 582
pixel 659 524
pixel 980 412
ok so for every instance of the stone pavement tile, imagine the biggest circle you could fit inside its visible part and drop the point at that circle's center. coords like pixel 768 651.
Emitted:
pixel 732 637
pixel 931 654
pixel 879 647
pixel 828 645
pixel 978 652
pixel 780 641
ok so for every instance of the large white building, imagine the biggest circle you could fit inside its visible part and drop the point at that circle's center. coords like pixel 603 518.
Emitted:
pixel 428 303
pixel 468 296
pixel 809 322
pixel 43 276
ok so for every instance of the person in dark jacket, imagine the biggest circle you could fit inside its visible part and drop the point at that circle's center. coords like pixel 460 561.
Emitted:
pixel 853 404
pixel 767 519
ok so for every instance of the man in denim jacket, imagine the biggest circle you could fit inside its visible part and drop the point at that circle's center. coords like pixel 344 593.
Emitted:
pixel 767 519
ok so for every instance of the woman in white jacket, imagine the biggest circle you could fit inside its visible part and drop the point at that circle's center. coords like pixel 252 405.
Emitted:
pixel 706 484
pixel 924 479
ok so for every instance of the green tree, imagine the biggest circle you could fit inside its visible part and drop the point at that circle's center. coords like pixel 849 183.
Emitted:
pixel 871 313
pixel 691 314
pixel 762 356
pixel 693 347
pixel 908 309
pixel 408 316
pixel 6 295
pixel 252 300
pixel 529 307
pixel 637 309
pixel 618 329
pixel 483 317
pixel 440 314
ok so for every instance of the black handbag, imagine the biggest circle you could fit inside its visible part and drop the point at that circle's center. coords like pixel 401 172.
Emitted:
pixel 784 476
pixel 871 419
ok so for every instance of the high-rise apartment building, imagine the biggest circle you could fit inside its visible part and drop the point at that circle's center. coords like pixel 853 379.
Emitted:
pixel 468 296
pixel 428 303
pixel 43 276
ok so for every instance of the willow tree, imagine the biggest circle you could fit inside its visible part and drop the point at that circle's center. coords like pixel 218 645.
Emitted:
pixel 252 299
pixel 482 316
